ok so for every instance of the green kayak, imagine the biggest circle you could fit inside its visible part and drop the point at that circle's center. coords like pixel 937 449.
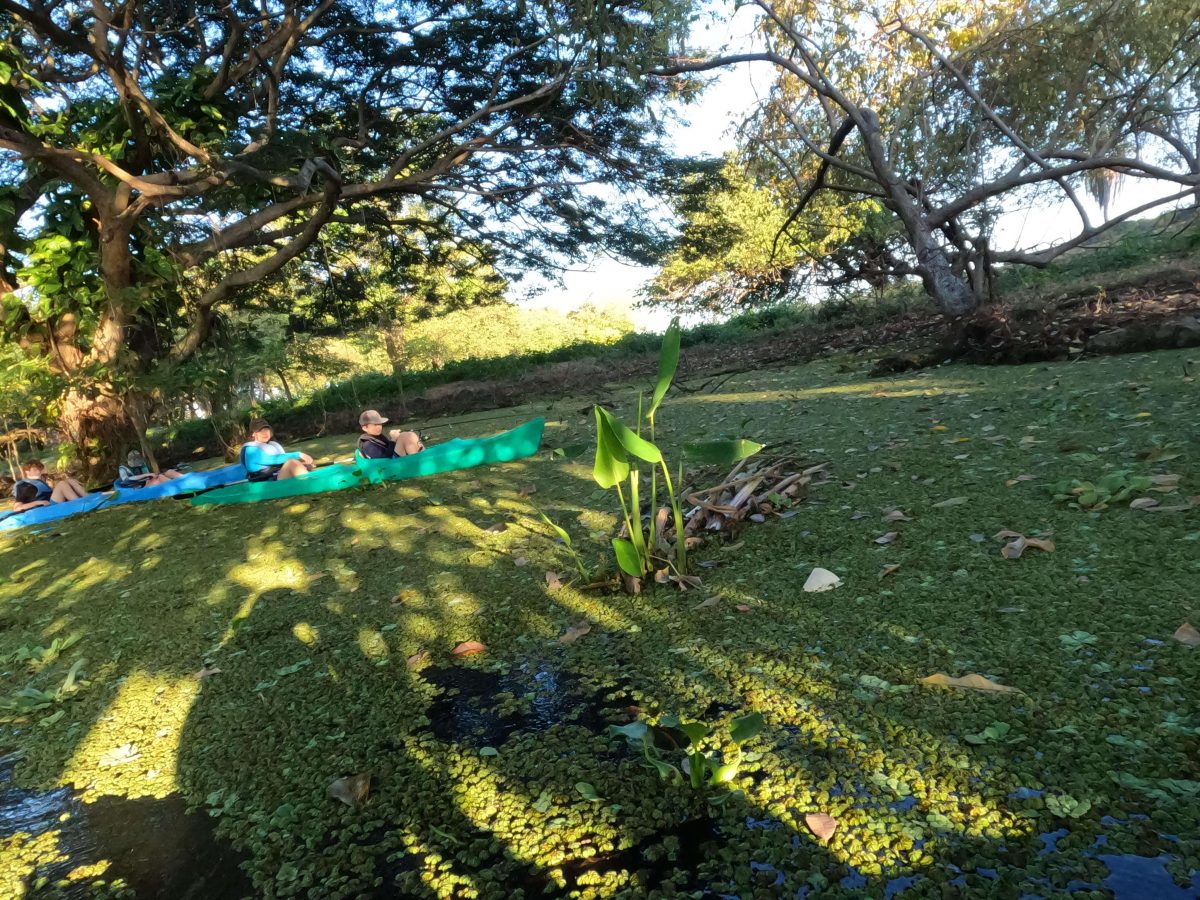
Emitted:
pixel 458 453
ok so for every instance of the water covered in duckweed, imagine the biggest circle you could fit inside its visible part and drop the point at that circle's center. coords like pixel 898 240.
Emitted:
pixel 244 659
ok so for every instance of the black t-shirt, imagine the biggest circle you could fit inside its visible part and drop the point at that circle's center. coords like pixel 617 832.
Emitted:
pixel 376 447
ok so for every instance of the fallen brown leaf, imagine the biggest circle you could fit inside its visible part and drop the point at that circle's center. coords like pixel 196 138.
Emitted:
pixel 887 538
pixel 1187 635
pixel 554 581
pixel 351 790
pixel 469 648
pixel 953 501
pixel 821 825
pixel 528 490
pixel 742 607
pixel 969 682
pixel 418 659
pixel 889 569
pixel 896 515
pixel 1005 534
pixel 520 561
pixel 206 672
pixel 706 604
pixel 1143 503
pixel 497 528
pixel 574 633
pixel 1015 548
pixel 687 581
pixel 1018 480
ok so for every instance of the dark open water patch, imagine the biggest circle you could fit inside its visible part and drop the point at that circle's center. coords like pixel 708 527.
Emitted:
pixel 156 847
pixel 465 711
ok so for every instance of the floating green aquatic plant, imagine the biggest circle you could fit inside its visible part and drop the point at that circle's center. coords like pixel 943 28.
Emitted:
pixel 699 767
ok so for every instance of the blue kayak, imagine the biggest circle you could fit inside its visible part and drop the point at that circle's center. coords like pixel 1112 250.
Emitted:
pixel 190 483
pixel 40 514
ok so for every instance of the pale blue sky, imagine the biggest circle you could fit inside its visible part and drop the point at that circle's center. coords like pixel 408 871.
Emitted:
pixel 709 128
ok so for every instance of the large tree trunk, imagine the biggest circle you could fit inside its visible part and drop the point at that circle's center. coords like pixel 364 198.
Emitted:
pixel 99 426
pixel 952 295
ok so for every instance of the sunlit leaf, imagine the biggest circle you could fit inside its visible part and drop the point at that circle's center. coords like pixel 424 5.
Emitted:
pixel 627 557
pixel 821 825
pixel 821 580
pixel 668 362
pixel 968 682
pixel 629 441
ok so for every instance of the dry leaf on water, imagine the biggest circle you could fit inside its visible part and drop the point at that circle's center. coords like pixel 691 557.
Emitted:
pixel 707 604
pixel 742 607
pixel 520 561
pixel 821 825
pixel 1018 480
pixel 1020 544
pixel 887 538
pixel 469 648
pixel 821 580
pixel 687 581
pixel 896 515
pixel 418 659
pixel 528 490
pixel 953 501
pixel 574 633
pixel 970 682
pixel 351 790
pixel 1187 635
pixel 497 528
pixel 888 570
pixel 553 581
pixel 206 672
pixel 856 515
pixel 1165 484
pixel 1143 503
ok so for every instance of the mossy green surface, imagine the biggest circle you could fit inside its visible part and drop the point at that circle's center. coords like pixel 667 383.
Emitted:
pixel 312 610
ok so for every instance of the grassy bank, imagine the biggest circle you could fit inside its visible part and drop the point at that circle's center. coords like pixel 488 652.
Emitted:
pixel 332 621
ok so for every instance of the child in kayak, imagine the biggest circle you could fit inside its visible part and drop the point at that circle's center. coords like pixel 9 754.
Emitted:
pixel 373 445
pixel 43 493
pixel 266 460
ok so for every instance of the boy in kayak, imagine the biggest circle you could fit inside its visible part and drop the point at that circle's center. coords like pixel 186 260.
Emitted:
pixel 136 473
pixel 266 460
pixel 43 494
pixel 373 445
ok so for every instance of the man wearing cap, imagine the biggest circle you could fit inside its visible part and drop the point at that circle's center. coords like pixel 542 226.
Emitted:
pixel 266 460
pixel 373 445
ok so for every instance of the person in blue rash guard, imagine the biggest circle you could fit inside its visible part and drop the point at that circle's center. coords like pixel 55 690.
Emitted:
pixel 373 445
pixel 266 460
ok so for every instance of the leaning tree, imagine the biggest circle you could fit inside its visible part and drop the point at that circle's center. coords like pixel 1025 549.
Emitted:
pixel 948 113
pixel 159 159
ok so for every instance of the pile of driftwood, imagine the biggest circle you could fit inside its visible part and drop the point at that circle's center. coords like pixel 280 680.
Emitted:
pixel 753 490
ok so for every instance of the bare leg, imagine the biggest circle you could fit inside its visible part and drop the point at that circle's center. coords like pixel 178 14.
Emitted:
pixel 291 469
pixel 408 443
pixel 67 489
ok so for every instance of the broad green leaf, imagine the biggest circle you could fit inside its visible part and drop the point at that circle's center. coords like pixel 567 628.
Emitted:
pixel 634 445
pixel 612 463
pixel 627 557
pixel 635 732
pixel 720 453
pixel 745 728
pixel 695 731
pixel 668 362
pixel 587 791
pixel 665 770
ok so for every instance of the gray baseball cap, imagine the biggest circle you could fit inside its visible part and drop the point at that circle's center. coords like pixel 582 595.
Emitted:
pixel 371 417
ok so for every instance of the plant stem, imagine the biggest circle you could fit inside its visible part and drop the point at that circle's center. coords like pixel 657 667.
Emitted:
pixel 680 538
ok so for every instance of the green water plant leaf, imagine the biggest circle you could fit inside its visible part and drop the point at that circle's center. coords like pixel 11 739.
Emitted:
pixel 720 453
pixel 668 362
pixel 628 558
pixel 588 792
pixel 1066 806
pixel 745 728
pixel 630 442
